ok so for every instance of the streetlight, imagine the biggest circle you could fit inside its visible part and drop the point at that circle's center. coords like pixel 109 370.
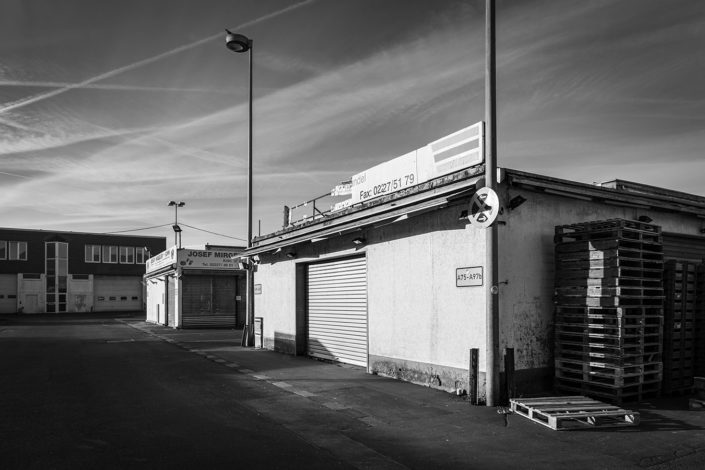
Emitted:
pixel 177 229
pixel 240 43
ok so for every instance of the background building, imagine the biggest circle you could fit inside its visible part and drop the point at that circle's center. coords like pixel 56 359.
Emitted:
pixel 189 288
pixel 45 271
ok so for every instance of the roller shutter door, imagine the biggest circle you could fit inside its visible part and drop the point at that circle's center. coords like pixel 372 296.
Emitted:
pixel 8 293
pixel 337 310
pixel 117 293
pixel 683 247
pixel 208 301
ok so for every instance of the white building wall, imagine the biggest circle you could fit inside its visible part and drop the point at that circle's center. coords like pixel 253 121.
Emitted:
pixel 80 294
pixel 155 300
pixel 416 312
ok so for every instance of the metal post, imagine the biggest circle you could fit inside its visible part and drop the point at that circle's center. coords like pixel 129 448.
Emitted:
pixel 473 374
pixel 492 291
pixel 249 329
pixel 176 222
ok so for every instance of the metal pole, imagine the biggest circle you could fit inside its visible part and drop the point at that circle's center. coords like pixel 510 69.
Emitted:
pixel 250 319
pixel 492 293
pixel 176 222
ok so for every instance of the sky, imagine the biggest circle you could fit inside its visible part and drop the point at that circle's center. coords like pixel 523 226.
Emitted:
pixel 109 110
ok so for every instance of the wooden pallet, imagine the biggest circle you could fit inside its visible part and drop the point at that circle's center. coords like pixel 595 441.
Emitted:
pixel 573 412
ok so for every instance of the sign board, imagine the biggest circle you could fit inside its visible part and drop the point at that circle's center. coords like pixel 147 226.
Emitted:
pixel 484 207
pixel 468 277
pixel 207 259
pixel 342 189
pixel 457 151
pixel 258 289
pixel 162 260
pixel 385 178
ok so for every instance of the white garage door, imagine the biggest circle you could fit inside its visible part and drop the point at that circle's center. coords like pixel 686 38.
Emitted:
pixel 337 310
pixel 8 293
pixel 117 293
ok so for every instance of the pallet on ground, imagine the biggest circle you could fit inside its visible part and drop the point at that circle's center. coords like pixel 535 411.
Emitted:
pixel 573 412
pixel 613 301
pixel 567 264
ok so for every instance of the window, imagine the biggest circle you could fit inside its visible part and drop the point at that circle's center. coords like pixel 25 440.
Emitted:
pixel 31 276
pixel 110 254
pixel 3 249
pixel 141 255
pixel 92 253
pixel 80 277
pixel 127 254
pixel 17 251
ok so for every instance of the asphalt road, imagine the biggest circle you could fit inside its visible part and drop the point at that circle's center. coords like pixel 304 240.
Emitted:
pixel 86 392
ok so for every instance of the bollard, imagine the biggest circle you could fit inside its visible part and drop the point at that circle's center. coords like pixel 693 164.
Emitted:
pixel 473 375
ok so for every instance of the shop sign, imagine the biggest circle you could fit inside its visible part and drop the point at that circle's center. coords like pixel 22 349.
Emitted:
pixel 468 277
pixel 163 259
pixel 258 289
pixel 207 259
pixel 385 178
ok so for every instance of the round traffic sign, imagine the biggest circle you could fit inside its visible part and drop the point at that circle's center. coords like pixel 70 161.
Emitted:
pixel 484 207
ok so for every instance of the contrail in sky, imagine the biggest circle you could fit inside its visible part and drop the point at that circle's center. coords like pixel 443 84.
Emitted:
pixel 140 63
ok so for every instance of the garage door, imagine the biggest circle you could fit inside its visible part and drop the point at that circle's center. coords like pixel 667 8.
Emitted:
pixel 337 310
pixel 117 293
pixel 208 301
pixel 8 293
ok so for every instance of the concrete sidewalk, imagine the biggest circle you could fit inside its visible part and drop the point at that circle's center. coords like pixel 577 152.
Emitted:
pixel 376 422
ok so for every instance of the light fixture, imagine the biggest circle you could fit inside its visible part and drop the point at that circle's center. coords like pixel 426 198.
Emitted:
pixel 177 233
pixel 291 255
pixel 645 218
pixel 359 240
pixel 463 215
pixel 516 201
pixel 237 42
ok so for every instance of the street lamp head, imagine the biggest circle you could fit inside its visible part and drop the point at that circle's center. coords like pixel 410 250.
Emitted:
pixel 237 42
pixel 177 204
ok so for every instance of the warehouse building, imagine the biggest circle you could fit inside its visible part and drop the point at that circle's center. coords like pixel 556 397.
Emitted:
pixel 45 271
pixel 393 279
pixel 189 288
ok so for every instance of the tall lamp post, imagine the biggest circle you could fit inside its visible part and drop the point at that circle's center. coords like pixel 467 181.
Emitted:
pixel 177 229
pixel 240 44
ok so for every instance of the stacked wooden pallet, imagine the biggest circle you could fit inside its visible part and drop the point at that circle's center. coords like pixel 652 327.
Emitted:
pixel 698 401
pixel 609 309
pixel 700 321
pixel 679 327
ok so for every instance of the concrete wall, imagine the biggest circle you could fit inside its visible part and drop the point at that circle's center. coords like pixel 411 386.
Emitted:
pixel 31 294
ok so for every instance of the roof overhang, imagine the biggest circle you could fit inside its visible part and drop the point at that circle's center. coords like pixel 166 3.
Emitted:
pixel 381 213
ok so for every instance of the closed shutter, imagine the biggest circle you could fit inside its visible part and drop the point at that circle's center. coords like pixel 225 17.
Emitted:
pixel 208 301
pixel 117 293
pixel 337 310
pixel 8 293
pixel 683 247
